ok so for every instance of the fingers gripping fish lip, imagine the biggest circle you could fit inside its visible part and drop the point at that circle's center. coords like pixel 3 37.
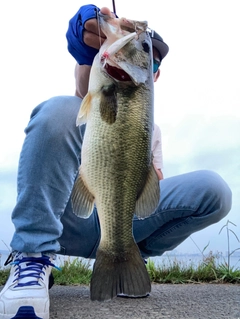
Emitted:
pixel 122 25
pixel 119 33
pixel 113 29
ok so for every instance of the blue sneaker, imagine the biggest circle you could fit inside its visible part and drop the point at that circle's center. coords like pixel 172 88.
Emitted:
pixel 25 294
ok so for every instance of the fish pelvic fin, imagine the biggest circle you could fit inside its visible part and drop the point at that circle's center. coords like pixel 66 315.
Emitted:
pixel 84 109
pixel 114 275
pixel 108 103
pixel 149 198
pixel 82 199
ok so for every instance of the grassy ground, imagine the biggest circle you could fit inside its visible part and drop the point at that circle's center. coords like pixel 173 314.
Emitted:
pixel 77 271
pixel 208 271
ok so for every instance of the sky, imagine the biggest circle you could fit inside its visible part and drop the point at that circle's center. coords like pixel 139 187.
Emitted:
pixel 197 98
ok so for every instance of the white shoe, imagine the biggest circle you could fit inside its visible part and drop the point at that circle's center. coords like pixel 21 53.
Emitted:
pixel 25 294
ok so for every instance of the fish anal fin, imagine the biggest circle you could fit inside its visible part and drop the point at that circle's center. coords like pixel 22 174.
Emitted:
pixel 149 198
pixel 84 109
pixel 82 199
pixel 113 275
pixel 108 104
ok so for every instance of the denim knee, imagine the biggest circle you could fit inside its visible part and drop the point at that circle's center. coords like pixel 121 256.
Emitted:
pixel 216 194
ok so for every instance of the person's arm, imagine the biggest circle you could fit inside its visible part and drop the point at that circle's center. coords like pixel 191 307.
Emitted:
pixel 84 36
pixel 157 151
pixel 159 172
pixel 82 73
pixel 84 39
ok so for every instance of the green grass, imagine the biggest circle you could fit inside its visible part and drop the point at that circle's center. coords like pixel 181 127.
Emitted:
pixel 73 272
pixel 3 276
pixel 77 271
pixel 207 271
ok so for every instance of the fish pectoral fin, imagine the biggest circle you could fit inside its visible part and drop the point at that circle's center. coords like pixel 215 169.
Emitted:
pixel 82 199
pixel 149 198
pixel 108 104
pixel 84 109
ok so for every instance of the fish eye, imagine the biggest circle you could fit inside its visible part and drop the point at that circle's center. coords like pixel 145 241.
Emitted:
pixel 145 46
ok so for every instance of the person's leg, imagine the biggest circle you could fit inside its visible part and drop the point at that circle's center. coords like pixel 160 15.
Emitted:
pixel 80 236
pixel 48 167
pixel 189 203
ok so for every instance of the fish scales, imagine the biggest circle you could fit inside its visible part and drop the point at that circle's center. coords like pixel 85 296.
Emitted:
pixel 114 155
pixel 116 171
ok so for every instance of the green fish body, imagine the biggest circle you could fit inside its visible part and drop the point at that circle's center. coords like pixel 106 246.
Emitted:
pixel 116 172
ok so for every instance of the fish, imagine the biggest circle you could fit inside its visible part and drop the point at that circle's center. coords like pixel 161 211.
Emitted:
pixel 116 173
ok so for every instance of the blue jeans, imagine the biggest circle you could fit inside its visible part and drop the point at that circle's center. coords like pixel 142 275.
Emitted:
pixel 48 167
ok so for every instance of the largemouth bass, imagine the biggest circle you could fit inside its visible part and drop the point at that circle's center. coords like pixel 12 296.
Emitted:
pixel 116 172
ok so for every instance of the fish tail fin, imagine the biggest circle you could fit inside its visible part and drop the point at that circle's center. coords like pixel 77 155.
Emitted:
pixel 124 274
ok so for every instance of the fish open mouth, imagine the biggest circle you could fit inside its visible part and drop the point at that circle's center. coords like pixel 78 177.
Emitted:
pixel 117 73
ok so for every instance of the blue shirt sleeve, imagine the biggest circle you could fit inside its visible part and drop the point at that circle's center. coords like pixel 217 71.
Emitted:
pixel 81 52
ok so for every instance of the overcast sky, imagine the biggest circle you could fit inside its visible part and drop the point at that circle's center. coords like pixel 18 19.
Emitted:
pixel 197 102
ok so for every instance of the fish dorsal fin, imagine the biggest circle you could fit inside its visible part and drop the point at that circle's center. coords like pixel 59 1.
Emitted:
pixel 108 104
pixel 82 199
pixel 84 109
pixel 149 198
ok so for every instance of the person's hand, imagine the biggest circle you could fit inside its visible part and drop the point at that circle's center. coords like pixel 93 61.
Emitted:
pixel 92 34
pixel 84 35
pixel 159 172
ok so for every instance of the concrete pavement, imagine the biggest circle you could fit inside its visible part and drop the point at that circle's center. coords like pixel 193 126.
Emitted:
pixel 192 301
